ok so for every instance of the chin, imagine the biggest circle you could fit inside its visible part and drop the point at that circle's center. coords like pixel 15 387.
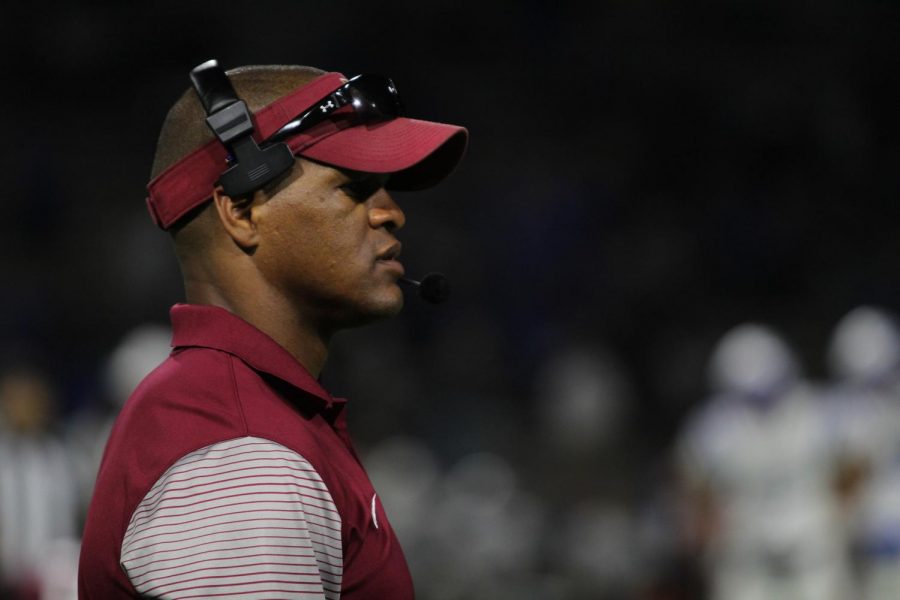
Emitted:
pixel 389 306
pixel 373 309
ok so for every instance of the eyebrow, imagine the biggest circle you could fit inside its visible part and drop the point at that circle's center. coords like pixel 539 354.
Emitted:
pixel 363 177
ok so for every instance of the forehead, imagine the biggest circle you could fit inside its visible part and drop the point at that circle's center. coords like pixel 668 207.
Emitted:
pixel 307 173
pixel 315 179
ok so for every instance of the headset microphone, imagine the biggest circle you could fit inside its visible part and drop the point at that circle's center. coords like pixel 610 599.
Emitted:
pixel 433 288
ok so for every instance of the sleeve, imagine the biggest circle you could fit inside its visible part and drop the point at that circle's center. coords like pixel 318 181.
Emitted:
pixel 244 518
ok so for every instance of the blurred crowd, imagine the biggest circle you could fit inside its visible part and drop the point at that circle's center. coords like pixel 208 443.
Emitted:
pixel 776 486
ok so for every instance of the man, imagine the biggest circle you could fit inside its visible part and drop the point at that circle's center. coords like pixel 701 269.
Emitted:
pixel 758 476
pixel 229 472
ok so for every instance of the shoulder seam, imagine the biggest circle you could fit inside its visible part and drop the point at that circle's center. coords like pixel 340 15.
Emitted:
pixel 237 395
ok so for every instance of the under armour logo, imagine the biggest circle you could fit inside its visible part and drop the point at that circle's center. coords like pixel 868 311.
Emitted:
pixel 324 108
pixel 374 515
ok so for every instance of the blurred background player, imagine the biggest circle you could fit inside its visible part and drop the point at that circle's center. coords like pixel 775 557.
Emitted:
pixel 137 353
pixel 864 410
pixel 759 478
pixel 582 401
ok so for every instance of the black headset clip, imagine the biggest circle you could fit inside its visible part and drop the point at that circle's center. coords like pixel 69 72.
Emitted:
pixel 229 118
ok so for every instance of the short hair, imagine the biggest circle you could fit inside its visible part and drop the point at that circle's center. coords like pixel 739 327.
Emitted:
pixel 185 129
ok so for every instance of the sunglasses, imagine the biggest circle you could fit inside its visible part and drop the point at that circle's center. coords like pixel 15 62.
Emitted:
pixel 373 98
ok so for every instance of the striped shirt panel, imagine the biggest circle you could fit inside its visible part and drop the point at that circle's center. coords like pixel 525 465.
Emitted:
pixel 244 518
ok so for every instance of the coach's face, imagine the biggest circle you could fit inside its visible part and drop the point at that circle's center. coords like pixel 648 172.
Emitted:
pixel 326 242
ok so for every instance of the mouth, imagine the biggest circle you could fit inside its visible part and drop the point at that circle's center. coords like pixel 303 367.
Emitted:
pixel 391 252
pixel 388 258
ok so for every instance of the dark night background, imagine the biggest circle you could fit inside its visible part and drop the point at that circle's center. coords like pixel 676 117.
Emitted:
pixel 641 176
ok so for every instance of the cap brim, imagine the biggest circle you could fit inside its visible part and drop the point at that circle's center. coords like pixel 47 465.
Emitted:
pixel 417 154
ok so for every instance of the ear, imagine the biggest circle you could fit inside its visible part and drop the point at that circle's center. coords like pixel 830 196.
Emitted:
pixel 237 218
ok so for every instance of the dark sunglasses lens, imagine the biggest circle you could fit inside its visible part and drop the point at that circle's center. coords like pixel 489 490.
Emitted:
pixel 375 97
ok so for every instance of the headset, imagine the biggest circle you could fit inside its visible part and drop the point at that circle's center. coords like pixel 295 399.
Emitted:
pixel 229 118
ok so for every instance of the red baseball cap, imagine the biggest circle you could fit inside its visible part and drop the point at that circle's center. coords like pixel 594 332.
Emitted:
pixel 418 154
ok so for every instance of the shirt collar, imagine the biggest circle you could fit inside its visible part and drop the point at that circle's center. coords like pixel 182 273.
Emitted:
pixel 203 326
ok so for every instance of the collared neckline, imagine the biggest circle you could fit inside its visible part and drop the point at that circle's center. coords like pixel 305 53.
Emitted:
pixel 197 325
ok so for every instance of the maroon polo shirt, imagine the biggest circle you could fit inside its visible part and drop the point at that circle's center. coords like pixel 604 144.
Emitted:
pixel 227 380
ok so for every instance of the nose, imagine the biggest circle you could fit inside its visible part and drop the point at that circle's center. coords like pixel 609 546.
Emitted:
pixel 385 212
